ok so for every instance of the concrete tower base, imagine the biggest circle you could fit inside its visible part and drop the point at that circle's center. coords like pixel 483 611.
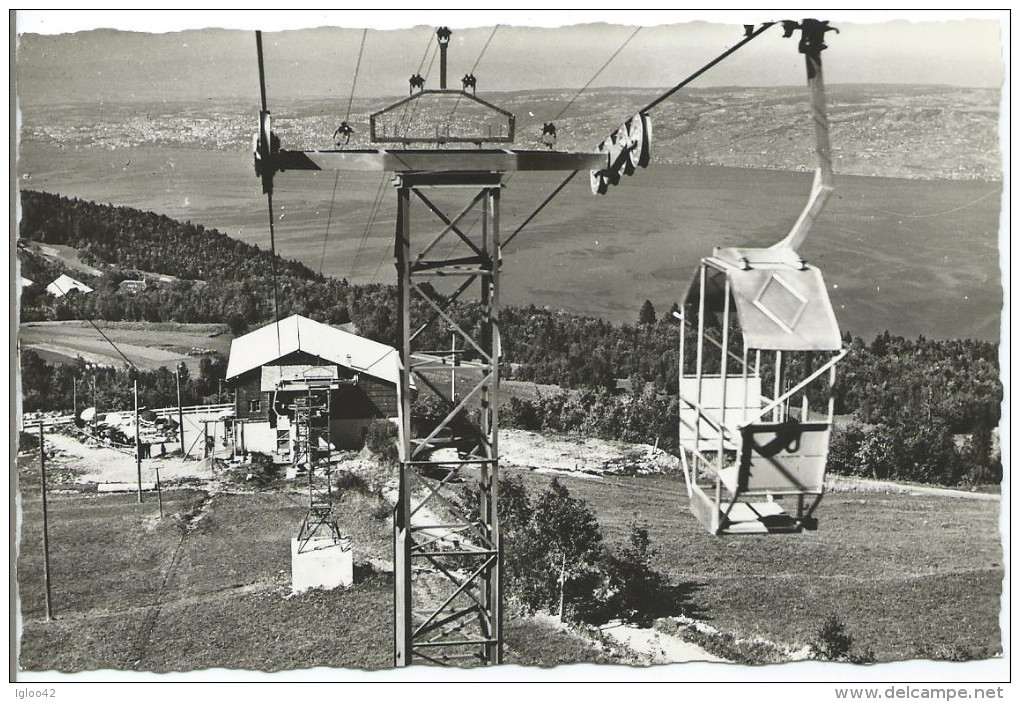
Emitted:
pixel 323 563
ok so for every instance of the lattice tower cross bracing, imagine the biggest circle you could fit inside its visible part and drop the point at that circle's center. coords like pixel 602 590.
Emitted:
pixel 455 617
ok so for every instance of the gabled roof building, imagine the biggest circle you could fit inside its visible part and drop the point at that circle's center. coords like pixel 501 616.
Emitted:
pixel 273 366
pixel 65 284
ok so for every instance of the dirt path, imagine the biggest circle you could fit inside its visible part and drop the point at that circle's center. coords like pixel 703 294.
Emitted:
pixel 579 455
pixel 99 464
pixel 656 646
pixel 840 483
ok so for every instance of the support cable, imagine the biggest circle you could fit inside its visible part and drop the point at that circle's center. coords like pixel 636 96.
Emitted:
pixel 751 36
pixel 373 212
pixel 944 212
pixel 414 109
pixel 329 219
pixel 276 291
pixel 666 95
pixel 570 177
pixel 378 266
pixel 477 61
pixel 597 74
pixel 429 45
pixel 70 300
pixel 538 209
pixel 347 117
pixel 357 67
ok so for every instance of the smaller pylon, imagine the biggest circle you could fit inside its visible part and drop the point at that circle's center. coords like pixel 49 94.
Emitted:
pixel 321 557
pixel 313 455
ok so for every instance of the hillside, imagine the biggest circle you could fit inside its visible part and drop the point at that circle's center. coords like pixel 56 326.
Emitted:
pixel 928 390
pixel 900 131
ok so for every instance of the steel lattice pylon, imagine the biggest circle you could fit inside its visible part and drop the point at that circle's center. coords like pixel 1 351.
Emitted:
pixel 312 452
pixel 450 612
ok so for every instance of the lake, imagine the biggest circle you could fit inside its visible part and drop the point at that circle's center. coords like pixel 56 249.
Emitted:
pixel 911 256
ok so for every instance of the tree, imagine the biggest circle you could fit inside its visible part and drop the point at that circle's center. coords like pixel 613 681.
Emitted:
pixel 238 324
pixel 647 313
pixel 572 538
pixel 639 588
pixel 982 463
pixel 845 450
pixel 674 310
pixel 36 381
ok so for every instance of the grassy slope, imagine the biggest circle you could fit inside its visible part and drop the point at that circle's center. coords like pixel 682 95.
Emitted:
pixel 901 571
pixel 130 593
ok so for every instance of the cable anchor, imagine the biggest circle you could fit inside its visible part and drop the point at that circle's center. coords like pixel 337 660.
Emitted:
pixel 345 131
pixel 548 134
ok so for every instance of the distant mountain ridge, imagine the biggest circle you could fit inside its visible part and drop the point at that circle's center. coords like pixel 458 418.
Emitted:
pixel 106 65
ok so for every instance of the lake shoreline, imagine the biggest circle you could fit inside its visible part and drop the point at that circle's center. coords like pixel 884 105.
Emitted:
pixel 602 256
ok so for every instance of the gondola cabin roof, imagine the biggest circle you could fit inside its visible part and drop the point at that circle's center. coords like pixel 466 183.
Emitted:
pixel 780 301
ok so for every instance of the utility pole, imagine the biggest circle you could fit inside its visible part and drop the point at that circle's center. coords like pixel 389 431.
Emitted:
pixel 180 410
pixel 159 491
pixel 45 526
pixel 74 397
pixel 138 446
pixel 453 367
pixel 95 400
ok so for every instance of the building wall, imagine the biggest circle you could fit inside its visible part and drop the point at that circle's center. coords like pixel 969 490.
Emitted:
pixel 352 407
pixel 246 389
pixel 260 437
pixel 132 287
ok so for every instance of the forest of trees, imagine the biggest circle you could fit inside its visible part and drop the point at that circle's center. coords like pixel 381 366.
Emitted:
pixel 47 386
pixel 920 392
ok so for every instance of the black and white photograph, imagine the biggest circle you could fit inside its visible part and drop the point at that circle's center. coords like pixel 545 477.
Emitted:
pixel 517 346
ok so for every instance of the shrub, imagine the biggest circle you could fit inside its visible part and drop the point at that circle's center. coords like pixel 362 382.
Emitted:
pixel 346 481
pixel 554 559
pixel 834 643
pixel 260 472
pixel 980 463
pixel 952 652
pixel 523 414
pixel 380 439
pixel 28 441
pixel 381 509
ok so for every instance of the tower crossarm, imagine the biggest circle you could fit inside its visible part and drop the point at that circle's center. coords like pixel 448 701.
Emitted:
pixel 444 160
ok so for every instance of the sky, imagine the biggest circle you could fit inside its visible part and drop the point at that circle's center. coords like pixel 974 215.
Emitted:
pixel 948 47
pixel 56 21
